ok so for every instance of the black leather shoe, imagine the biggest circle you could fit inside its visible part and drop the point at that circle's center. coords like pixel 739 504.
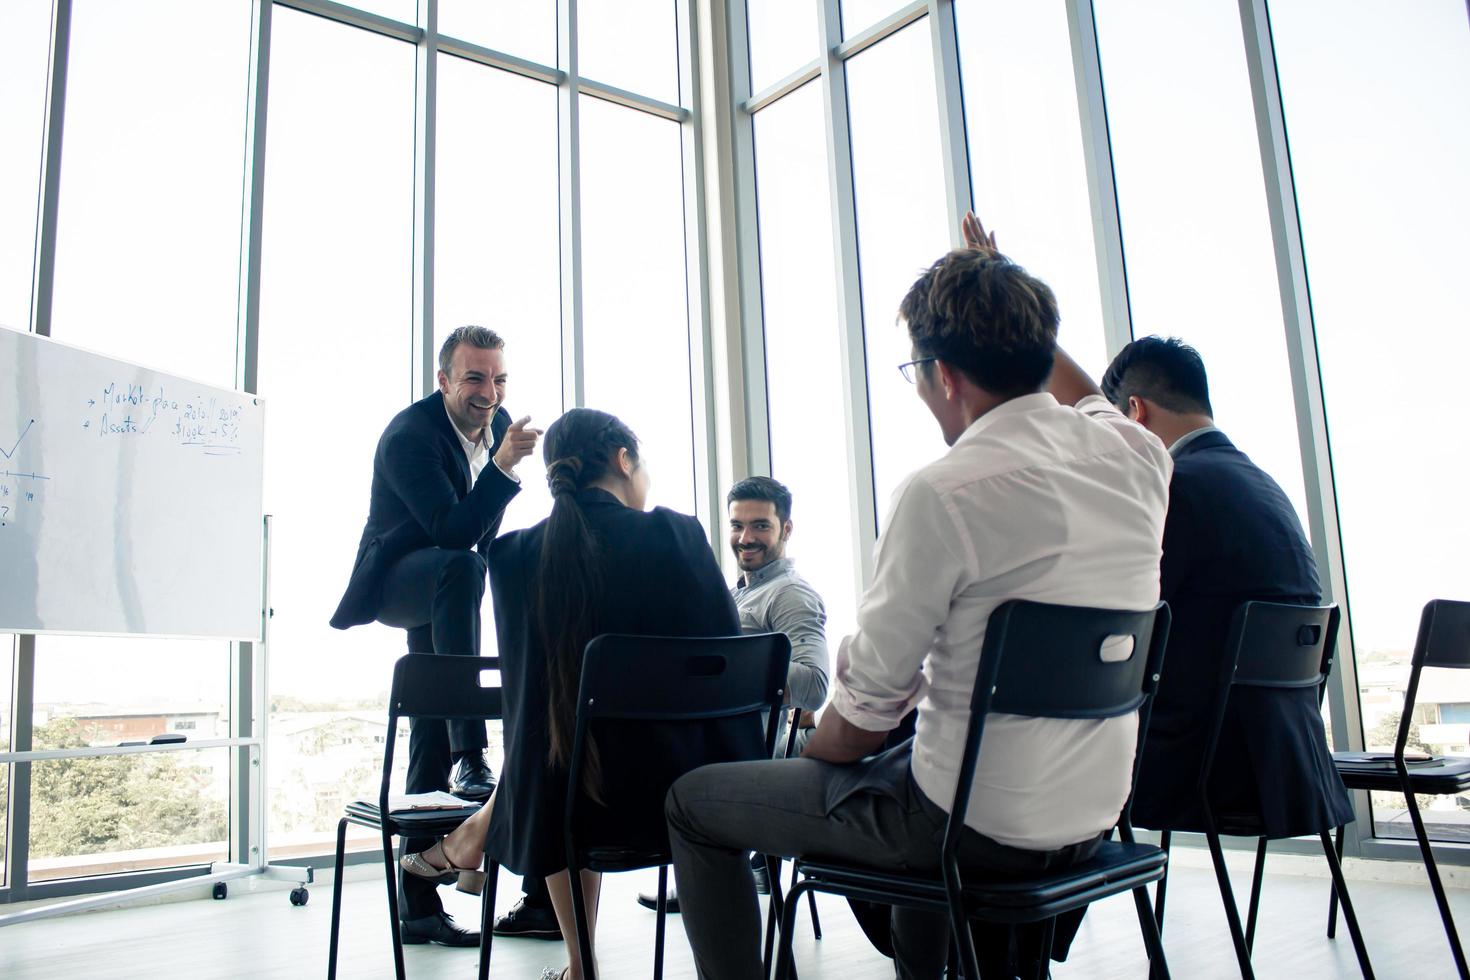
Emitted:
pixel 439 929
pixel 528 922
pixel 472 778
pixel 651 901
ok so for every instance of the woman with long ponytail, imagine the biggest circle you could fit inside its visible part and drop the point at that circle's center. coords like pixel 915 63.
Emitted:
pixel 599 564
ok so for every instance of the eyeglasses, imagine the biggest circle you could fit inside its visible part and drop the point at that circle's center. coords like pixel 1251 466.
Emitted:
pixel 908 371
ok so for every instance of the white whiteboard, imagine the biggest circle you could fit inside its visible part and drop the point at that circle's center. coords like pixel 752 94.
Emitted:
pixel 130 500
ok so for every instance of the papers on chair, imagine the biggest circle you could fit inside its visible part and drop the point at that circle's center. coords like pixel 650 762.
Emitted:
pixel 429 801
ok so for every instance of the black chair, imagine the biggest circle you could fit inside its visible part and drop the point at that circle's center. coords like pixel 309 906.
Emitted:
pixel 1444 641
pixel 773 869
pixel 429 687
pixel 1271 647
pixel 664 679
pixel 1041 661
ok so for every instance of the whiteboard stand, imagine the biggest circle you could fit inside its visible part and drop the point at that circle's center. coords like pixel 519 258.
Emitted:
pixel 249 726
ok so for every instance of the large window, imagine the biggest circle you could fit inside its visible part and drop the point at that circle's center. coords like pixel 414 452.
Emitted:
pixel 1380 159
pixel 803 355
pixel 902 218
pixel 634 294
pixel 336 363
pixel 25 35
pixel 1192 203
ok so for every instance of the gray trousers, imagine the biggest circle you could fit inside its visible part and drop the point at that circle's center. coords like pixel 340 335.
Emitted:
pixel 804 808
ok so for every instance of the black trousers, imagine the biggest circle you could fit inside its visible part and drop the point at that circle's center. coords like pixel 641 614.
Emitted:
pixel 435 594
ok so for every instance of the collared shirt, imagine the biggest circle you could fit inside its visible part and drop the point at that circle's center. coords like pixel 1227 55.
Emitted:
pixel 775 599
pixel 1036 501
pixel 1189 437
pixel 477 453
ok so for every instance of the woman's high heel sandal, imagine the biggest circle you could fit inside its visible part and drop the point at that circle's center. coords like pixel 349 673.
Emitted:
pixel 471 880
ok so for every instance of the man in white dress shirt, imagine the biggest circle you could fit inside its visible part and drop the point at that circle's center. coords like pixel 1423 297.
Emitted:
pixel 1047 493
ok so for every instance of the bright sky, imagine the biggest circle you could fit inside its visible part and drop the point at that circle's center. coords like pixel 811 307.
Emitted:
pixel 149 236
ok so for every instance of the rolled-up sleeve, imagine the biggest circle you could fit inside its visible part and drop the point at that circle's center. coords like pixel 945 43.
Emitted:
pixel 921 559
pixel 797 611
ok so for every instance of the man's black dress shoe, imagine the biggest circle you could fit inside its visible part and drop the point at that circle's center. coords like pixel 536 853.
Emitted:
pixel 671 905
pixel 439 928
pixel 528 922
pixel 472 778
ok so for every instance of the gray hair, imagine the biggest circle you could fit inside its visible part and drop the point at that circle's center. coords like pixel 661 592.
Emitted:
pixel 481 337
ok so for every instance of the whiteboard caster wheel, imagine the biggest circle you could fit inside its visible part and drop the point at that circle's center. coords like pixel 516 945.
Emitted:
pixel 221 890
pixel 299 896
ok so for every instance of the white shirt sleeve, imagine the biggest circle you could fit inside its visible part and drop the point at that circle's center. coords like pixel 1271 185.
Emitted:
pixel 1142 441
pixel 922 559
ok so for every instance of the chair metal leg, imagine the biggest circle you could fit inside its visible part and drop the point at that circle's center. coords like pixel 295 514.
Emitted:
pixel 1256 878
pixel 337 898
pixel 1332 898
pixel 1048 937
pixel 959 926
pixel 811 901
pixel 1232 914
pixel 1439 896
pixel 1339 887
pixel 391 874
pixel 579 915
pixel 773 907
pixel 487 915
pixel 1162 887
pixel 1152 940
pixel 661 918
pixel 785 956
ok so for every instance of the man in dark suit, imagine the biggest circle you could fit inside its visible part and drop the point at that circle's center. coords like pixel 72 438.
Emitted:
pixel 1230 536
pixel 442 476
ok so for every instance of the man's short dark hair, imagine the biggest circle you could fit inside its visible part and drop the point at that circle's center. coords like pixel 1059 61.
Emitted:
pixel 481 337
pixel 1166 371
pixel 763 488
pixel 983 314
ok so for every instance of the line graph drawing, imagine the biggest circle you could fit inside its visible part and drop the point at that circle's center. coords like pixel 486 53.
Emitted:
pixel 18 440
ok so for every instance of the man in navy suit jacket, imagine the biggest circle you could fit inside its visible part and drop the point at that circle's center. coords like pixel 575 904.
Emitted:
pixel 442 476
pixel 1230 536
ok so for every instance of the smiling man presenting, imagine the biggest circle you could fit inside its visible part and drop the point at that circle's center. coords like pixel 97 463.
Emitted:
pixel 442 475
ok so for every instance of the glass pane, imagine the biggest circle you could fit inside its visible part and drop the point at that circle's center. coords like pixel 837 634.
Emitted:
pixel 803 358
pixel 148 234
pixel 403 11
pixel 1380 159
pixel 631 44
pixel 898 180
pixel 335 346
pixel 1192 201
pixel 1026 162
pixel 859 15
pixel 25 49
pixel 635 310
pixel 783 37
pixel 110 814
pixel 524 28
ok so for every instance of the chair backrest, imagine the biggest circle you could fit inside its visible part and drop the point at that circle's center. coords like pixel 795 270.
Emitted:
pixel 426 685
pixel 1271 645
pixel 1444 641
pixel 1049 661
pixel 678 678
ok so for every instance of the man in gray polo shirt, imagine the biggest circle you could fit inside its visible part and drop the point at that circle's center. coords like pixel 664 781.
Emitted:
pixel 773 598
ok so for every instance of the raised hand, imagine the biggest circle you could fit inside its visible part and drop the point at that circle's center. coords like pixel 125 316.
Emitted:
pixel 519 442
pixel 975 235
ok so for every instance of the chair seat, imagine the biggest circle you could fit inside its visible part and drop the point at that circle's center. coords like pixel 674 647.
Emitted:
pixel 410 823
pixel 1115 867
pixel 613 858
pixel 1441 775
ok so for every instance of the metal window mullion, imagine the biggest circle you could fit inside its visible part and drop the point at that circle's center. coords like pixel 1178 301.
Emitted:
pixel 952 137
pixel 352 16
pixel 1306 376
pixel 425 133
pixel 43 270
pixel 862 40
pixel 569 171
pixel 22 721
pixel 1102 189
pixel 861 487
pixel 696 273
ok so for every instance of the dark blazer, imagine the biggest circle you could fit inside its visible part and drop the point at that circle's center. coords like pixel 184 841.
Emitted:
pixel 422 498
pixel 1231 535
pixel 659 578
